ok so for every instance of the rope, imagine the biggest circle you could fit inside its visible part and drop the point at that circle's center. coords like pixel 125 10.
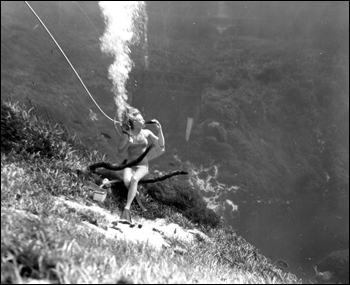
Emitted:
pixel 76 73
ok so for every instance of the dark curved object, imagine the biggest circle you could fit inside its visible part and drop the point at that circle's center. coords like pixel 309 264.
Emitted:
pixel 115 167
pixel 126 133
pixel 150 122
pixel 161 178
pixel 151 180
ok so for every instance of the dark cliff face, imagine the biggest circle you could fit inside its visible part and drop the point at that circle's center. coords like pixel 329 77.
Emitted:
pixel 266 84
pixel 271 102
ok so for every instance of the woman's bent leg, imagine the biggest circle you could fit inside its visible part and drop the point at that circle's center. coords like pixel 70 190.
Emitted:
pixel 127 174
pixel 139 174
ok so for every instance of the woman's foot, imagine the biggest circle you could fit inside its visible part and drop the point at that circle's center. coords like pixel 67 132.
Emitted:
pixel 125 217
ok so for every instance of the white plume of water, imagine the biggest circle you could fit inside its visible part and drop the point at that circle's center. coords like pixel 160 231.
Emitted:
pixel 206 179
pixel 126 24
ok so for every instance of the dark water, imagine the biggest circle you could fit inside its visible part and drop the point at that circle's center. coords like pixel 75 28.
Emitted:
pixel 281 235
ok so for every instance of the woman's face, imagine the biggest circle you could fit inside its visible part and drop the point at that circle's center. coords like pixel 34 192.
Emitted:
pixel 139 121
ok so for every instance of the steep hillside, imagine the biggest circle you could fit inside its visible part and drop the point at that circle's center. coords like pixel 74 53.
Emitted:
pixel 53 232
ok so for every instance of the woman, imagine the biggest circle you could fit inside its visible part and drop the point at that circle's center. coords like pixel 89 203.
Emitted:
pixel 134 142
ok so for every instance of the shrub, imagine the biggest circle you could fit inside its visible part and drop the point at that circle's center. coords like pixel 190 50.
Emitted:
pixel 10 126
pixel 215 129
pixel 18 134
pixel 186 199
pixel 25 131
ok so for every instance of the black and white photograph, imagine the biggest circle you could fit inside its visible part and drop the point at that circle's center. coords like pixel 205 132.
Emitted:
pixel 174 142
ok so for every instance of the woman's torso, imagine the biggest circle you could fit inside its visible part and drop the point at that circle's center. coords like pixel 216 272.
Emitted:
pixel 137 147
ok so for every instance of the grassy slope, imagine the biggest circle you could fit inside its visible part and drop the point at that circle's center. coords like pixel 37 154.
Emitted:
pixel 44 241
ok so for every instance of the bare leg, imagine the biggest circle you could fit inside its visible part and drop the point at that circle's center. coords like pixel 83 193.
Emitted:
pixel 139 174
pixel 127 174
pixel 138 200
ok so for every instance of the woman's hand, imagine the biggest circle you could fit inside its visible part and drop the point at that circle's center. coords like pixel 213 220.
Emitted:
pixel 158 125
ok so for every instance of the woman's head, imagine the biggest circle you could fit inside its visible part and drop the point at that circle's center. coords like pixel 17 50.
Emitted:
pixel 134 118
pixel 138 120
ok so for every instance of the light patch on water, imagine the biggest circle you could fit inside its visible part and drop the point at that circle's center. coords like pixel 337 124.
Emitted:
pixel 206 179
pixel 189 128
pixel 230 203
pixel 126 24
pixel 93 116
pixel 214 124
pixel 212 202
pixel 160 173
